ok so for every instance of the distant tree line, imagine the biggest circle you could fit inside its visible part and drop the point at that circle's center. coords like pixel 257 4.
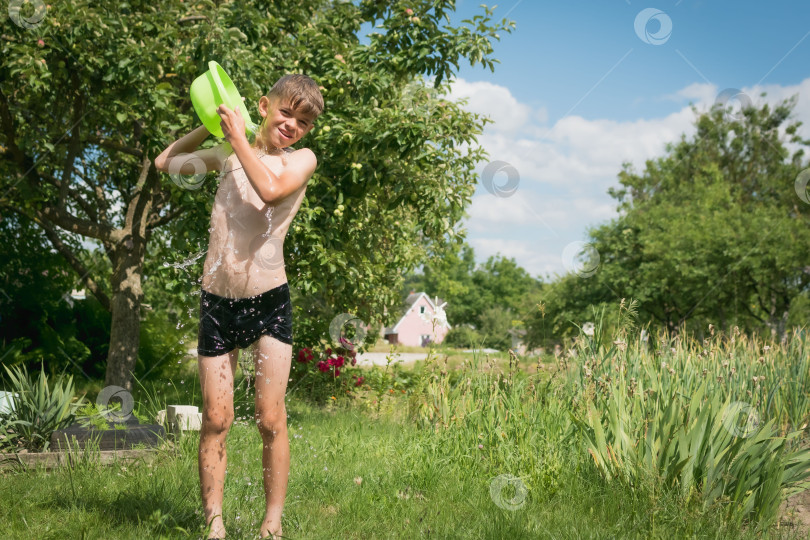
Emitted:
pixel 716 231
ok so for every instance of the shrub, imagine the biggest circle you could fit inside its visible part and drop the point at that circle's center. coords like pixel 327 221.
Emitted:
pixel 462 337
pixel 38 410
pixel 325 374
pixel 162 347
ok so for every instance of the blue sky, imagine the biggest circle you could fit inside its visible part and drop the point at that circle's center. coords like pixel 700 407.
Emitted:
pixel 578 91
pixel 559 50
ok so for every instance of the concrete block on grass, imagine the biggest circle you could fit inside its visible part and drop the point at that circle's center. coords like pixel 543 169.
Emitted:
pixel 183 418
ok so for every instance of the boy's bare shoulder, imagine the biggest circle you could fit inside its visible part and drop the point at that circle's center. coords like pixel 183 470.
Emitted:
pixel 304 154
pixel 302 160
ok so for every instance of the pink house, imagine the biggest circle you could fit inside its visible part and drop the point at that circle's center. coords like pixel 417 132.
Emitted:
pixel 416 327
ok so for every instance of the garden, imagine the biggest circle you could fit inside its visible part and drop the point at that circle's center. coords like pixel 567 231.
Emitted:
pixel 664 388
pixel 622 435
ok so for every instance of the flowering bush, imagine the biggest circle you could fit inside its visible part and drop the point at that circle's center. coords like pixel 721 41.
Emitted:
pixel 318 374
pixel 305 355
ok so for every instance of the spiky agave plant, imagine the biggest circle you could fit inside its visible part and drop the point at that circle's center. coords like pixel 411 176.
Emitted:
pixel 39 408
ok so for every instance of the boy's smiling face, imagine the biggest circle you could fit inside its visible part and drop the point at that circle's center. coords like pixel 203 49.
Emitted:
pixel 283 125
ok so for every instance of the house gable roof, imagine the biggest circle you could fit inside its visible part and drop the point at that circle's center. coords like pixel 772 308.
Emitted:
pixel 412 299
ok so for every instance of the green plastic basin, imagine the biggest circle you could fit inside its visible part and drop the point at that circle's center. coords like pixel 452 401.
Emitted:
pixel 212 89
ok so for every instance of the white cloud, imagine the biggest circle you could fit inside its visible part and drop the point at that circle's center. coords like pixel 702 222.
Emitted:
pixel 534 261
pixel 494 101
pixel 546 260
pixel 566 169
pixel 703 93
pixel 550 215
pixel 704 96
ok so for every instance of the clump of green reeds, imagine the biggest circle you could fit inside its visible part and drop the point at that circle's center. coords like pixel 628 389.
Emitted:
pixel 721 419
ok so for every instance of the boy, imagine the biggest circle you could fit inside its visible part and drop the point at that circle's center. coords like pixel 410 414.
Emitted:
pixel 245 297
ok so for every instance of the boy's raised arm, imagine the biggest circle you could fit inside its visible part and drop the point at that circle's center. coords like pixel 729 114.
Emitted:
pixel 269 186
pixel 181 157
pixel 184 145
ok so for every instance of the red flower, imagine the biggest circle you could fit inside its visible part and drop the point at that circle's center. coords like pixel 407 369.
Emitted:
pixel 337 372
pixel 354 360
pixel 337 362
pixel 359 381
pixel 323 366
pixel 328 351
pixel 304 355
pixel 346 344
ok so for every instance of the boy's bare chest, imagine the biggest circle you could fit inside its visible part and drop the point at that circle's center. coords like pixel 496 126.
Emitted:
pixel 238 204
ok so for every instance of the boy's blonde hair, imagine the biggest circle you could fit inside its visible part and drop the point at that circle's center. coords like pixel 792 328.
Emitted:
pixel 302 92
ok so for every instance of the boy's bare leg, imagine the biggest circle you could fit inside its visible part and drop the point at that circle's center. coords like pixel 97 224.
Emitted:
pixel 216 381
pixel 272 360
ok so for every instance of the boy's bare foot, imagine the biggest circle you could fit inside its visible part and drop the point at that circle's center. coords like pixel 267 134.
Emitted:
pixel 217 528
pixel 272 530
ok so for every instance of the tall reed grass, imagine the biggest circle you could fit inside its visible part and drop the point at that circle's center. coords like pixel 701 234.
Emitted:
pixel 720 422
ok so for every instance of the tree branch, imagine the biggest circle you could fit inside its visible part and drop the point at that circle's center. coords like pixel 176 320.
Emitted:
pixel 71 258
pixel 103 206
pixel 141 201
pixel 112 145
pixel 71 223
pixel 74 195
pixel 157 221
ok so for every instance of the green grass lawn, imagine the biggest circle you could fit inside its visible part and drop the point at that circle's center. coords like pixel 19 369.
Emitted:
pixel 497 462
pixel 410 488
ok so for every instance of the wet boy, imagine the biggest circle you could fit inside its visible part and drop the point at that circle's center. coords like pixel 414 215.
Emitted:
pixel 245 298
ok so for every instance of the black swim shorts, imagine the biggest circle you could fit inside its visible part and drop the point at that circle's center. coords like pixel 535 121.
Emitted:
pixel 228 323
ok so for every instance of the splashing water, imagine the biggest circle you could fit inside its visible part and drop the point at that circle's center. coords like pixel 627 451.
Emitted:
pixel 186 263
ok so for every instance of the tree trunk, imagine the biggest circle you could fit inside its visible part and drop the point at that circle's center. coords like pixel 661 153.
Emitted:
pixel 777 323
pixel 128 248
pixel 126 315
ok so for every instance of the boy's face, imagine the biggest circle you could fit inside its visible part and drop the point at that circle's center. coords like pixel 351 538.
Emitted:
pixel 284 126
